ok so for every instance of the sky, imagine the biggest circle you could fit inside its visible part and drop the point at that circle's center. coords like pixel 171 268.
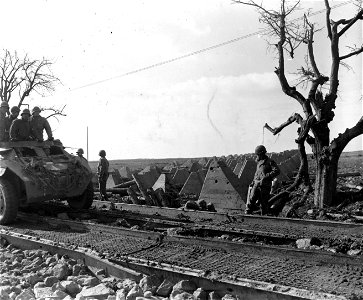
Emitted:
pixel 214 102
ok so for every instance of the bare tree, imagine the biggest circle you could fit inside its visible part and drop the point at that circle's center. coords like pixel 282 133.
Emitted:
pixel 19 77
pixel 318 107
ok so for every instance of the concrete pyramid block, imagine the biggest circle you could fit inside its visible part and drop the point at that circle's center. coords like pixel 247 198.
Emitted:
pixel 202 173
pixel 237 168
pixel 187 164
pixel 125 172
pixel 195 167
pixel 232 164
pixel 116 177
pixel 246 176
pixel 203 161
pixel 222 188
pixel 161 182
pixel 180 177
pixel 193 184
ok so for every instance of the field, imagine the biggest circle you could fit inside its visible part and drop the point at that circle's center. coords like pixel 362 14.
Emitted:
pixel 349 162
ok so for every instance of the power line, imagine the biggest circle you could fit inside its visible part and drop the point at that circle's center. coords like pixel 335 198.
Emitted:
pixel 197 51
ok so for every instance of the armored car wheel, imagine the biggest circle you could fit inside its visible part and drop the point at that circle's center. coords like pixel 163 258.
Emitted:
pixel 8 202
pixel 83 201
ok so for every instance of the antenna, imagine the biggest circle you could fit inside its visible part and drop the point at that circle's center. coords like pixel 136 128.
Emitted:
pixel 87 142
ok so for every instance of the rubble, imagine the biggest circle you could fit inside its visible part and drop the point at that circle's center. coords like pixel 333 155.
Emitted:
pixel 55 279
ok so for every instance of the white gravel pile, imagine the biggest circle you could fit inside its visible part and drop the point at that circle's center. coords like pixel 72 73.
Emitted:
pixel 36 274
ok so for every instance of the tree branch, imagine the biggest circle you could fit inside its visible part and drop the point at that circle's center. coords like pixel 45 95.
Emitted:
pixel 338 144
pixel 356 52
pixel 350 23
pixel 327 18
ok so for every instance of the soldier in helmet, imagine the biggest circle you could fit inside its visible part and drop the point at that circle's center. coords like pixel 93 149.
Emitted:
pixel 14 113
pixel 80 153
pixel 38 124
pixel 20 128
pixel 102 173
pixel 4 110
pixel 266 171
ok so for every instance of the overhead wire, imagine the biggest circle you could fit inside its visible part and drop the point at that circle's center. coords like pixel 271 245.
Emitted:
pixel 197 51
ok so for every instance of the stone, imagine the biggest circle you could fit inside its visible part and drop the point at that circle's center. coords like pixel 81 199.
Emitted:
pixel 63 216
pixel 76 269
pixel 148 294
pixel 40 284
pixel 228 297
pixel 191 204
pixel 5 289
pixel 42 292
pixel 136 291
pixel 50 259
pixel 214 296
pixel 32 278
pixel 121 294
pixel 25 295
pixel 88 281
pixel 354 252
pixel 61 271
pixel 185 285
pixel 4 295
pixel 12 295
pixel 200 294
pixel 126 285
pixel 99 291
pixel 50 281
pixel 307 242
pixel 182 296
pixel 59 294
pixel 165 288
pixel 70 287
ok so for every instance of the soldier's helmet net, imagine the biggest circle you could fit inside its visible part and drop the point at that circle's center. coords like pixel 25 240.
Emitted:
pixel 35 109
pixel 260 149
pixel 4 104
pixel 14 109
pixel 80 151
pixel 102 153
pixel 25 111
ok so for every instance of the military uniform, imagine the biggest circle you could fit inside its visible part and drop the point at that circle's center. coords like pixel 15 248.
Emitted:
pixel 266 171
pixel 38 124
pixel 8 121
pixel 20 130
pixel 4 109
pixel 3 123
pixel 102 172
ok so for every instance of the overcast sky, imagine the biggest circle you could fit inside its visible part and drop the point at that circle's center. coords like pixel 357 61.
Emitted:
pixel 211 103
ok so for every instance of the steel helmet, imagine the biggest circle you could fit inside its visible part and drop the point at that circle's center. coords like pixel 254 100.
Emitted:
pixel 14 109
pixel 260 149
pixel 80 151
pixel 4 104
pixel 25 111
pixel 35 109
pixel 102 153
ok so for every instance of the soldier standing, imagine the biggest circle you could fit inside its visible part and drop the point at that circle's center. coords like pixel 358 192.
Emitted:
pixel 102 172
pixel 266 171
pixel 4 110
pixel 38 124
pixel 20 128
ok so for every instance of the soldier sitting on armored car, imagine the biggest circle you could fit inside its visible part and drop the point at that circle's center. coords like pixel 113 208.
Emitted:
pixel 20 128
pixel 38 124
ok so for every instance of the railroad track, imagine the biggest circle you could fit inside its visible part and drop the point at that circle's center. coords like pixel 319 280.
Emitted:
pixel 304 269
